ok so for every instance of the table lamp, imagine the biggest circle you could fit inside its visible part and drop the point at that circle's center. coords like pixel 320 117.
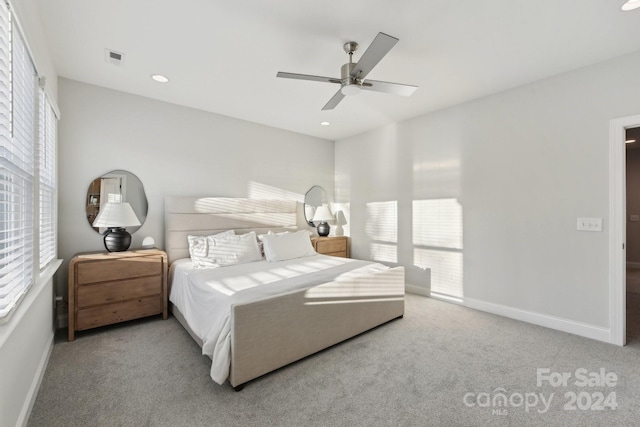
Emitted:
pixel 320 218
pixel 114 217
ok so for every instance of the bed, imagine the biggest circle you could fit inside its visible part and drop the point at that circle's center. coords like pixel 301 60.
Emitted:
pixel 244 319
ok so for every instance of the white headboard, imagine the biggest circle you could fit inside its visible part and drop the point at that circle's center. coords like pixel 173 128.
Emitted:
pixel 184 215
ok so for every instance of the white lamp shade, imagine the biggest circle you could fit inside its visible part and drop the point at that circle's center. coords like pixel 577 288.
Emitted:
pixel 323 214
pixel 116 215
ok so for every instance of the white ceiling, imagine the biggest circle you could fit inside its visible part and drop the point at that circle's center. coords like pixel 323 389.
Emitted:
pixel 223 56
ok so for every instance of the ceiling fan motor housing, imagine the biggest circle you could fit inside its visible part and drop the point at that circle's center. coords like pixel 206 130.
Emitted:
pixel 345 75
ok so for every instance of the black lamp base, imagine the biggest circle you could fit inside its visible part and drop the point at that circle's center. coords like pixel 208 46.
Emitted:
pixel 323 229
pixel 117 239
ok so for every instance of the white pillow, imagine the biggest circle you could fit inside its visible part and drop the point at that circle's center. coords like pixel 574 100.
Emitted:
pixel 280 247
pixel 261 236
pixel 233 249
pixel 198 249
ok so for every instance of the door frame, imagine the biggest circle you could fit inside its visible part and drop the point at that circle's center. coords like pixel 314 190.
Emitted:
pixel 618 232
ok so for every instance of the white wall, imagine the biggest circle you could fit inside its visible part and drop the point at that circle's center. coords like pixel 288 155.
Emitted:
pixel 25 345
pixel 524 165
pixel 174 150
pixel 26 338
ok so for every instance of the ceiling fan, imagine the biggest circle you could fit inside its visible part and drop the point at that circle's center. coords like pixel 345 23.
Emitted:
pixel 352 78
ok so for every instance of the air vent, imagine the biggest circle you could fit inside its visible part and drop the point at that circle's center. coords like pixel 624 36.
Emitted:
pixel 113 57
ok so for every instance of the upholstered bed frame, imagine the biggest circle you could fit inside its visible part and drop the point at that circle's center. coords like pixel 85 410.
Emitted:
pixel 271 333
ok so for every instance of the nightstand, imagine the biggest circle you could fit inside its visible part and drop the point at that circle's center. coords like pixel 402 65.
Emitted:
pixel 107 288
pixel 334 246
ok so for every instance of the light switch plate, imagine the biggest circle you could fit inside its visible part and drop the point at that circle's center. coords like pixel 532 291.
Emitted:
pixel 590 224
pixel 634 217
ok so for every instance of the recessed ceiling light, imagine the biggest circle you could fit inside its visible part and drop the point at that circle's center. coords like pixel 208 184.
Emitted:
pixel 630 5
pixel 325 123
pixel 629 141
pixel 159 78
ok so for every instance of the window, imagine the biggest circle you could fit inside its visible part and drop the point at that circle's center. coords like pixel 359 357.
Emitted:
pixel 27 168
pixel 47 179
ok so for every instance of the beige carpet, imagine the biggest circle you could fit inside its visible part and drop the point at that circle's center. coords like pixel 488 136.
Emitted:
pixel 414 371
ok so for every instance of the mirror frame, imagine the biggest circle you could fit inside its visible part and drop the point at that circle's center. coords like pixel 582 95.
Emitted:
pixel 310 201
pixel 140 205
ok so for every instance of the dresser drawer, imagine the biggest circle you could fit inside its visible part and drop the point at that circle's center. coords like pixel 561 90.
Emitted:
pixel 117 269
pixel 118 312
pixel 106 288
pixel 329 247
pixel 101 293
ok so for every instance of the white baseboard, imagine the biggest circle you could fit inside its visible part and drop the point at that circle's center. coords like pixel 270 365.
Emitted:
pixel 633 264
pixel 446 298
pixel 412 289
pixel 560 324
pixel 35 385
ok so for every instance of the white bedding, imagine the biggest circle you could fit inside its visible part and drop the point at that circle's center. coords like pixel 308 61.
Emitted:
pixel 205 296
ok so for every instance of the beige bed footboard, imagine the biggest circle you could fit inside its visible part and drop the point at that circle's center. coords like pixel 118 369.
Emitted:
pixel 271 333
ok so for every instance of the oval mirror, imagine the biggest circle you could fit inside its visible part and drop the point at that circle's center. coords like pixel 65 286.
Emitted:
pixel 314 198
pixel 116 186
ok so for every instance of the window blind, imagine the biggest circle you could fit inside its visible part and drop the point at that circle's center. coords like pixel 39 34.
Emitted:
pixel 6 296
pixel 16 165
pixel 47 179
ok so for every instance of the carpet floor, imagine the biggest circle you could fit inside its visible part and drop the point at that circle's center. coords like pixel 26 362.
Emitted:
pixel 441 365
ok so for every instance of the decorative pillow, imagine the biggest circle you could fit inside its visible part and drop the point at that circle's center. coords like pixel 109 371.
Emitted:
pixel 283 246
pixel 261 236
pixel 233 249
pixel 198 249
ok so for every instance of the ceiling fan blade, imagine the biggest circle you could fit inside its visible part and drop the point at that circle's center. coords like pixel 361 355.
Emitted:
pixel 334 101
pixel 386 87
pixel 378 48
pixel 307 77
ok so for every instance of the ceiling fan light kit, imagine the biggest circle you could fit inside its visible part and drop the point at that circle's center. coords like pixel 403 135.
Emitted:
pixel 350 85
pixel 352 75
pixel 350 89
pixel 631 5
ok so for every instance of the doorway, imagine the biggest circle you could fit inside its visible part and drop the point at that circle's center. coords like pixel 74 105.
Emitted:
pixel 617 228
pixel 632 282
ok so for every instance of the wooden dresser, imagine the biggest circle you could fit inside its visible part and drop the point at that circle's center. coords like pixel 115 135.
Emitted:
pixel 107 288
pixel 334 246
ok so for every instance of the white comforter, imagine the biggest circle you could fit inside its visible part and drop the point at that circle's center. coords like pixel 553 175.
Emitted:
pixel 205 296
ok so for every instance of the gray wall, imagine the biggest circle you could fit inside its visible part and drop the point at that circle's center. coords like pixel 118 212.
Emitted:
pixel 174 150
pixel 523 165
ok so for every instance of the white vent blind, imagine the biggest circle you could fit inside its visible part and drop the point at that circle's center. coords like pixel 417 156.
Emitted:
pixel 16 166
pixel 47 179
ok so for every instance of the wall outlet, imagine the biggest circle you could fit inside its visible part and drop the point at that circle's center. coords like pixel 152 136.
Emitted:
pixel 590 224
pixel 634 217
